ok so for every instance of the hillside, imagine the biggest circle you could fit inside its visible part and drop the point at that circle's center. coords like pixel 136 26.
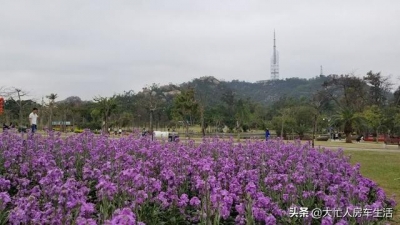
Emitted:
pixel 270 91
pixel 211 90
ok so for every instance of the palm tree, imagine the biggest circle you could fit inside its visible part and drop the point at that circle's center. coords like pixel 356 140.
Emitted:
pixel 52 97
pixel 349 119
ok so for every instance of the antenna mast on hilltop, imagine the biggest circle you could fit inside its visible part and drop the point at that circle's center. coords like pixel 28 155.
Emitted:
pixel 321 72
pixel 275 62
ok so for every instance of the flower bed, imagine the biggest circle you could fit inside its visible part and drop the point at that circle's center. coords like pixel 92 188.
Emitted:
pixel 88 179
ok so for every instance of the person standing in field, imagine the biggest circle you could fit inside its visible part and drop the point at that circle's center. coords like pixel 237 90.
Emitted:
pixel 33 117
pixel 267 134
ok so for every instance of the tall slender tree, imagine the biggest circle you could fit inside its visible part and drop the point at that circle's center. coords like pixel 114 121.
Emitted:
pixel 52 98
pixel 318 102
pixel 201 98
pixel 151 100
pixel 185 107
pixel 106 106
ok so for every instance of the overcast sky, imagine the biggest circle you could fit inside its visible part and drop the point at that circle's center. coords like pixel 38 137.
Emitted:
pixel 91 48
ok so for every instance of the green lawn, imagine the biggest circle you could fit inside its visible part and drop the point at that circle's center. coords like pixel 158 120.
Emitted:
pixel 383 168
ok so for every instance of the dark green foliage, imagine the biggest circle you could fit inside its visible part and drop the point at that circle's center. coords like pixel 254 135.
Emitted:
pixel 379 87
pixel 237 105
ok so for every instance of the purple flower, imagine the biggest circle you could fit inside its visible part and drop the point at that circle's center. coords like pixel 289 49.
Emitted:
pixel 87 209
pixel 183 200
pixel 157 185
pixel 259 214
pixel 263 201
pixel 240 220
pixel 162 197
pixel 194 201
pixel 4 184
pixel 84 221
pixel 327 220
pixel 342 222
pixel 17 216
pixel 4 199
pixel 141 196
pixel 225 212
pixel 251 188
pixel 240 209
pixel 270 220
pixel 123 216
pixel 106 189
pixel 53 179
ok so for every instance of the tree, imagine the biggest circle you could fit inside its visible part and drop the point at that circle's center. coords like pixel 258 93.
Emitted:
pixel 281 114
pixel 185 107
pixel 390 119
pixel 318 102
pixel 285 114
pixel 127 110
pixel 396 97
pixel 52 98
pixel 242 114
pixel 282 123
pixel 302 117
pixel 349 94
pixel 393 120
pixel 201 98
pixel 151 100
pixel 105 106
pixel 347 91
pixel 374 118
pixel 88 119
pixel 228 108
pixel 348 118
pixel 65 109
pixel 19 94
pixel 215 116
pixel 75 103
pixel 379 87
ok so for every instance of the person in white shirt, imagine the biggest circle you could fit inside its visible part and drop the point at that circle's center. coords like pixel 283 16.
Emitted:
pixel 33 117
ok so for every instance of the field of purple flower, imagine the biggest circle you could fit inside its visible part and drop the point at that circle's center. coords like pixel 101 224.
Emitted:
pixel 88 179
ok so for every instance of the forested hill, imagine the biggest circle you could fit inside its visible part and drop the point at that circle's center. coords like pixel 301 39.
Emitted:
pixel 265 93
pixel 218 102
